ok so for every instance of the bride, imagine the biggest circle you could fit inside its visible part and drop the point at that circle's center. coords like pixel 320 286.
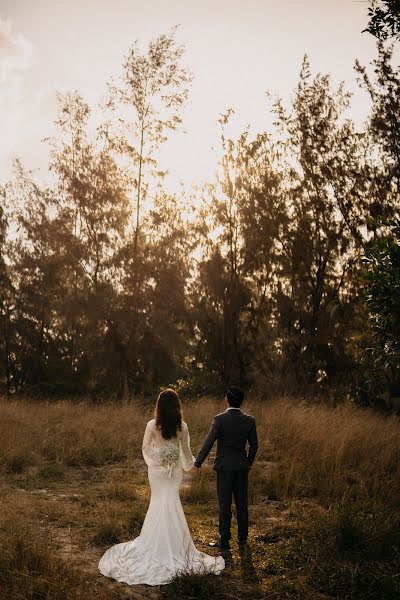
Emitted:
pixel 164 547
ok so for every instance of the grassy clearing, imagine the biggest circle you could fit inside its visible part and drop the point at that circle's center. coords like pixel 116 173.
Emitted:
pixel 324 497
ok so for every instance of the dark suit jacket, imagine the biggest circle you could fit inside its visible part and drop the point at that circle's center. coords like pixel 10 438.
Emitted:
pixel 232 429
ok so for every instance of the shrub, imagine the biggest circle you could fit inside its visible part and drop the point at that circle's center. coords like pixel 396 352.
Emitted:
pixel 108 534
pixel 52 472
pixel 17 460
pixel 189 586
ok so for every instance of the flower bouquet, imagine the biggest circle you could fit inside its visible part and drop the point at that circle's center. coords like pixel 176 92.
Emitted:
pixel 169 456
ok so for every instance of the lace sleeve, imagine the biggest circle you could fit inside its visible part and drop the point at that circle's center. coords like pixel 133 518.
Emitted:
pixel 148 451
pixel 187 458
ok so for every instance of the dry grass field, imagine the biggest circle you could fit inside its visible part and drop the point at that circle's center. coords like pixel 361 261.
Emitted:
pixel 325 497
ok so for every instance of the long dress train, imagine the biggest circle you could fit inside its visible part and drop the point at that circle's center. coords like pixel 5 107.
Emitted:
pixel 164 547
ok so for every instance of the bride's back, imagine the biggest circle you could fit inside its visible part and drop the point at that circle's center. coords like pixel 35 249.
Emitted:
pixel 157 436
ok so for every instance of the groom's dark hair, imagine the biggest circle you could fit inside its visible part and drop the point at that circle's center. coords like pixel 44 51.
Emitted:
pixel 235 396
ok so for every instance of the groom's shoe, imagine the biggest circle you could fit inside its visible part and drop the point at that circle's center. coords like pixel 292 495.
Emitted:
pixel 221 545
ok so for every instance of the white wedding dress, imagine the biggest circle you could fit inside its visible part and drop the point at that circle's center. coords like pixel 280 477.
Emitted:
pixel 164 547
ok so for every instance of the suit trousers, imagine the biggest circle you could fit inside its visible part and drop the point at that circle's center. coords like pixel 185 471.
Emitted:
pixel 233 483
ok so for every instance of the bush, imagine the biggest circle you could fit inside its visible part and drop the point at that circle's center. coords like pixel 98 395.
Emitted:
pixel 17 461
pixel 52 472
pixel 109 534
pixel 193 586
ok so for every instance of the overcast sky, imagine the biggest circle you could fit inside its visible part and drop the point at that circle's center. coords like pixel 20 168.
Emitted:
pixel 236 49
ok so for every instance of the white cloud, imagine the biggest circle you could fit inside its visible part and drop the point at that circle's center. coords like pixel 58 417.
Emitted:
pixel 23 128
pixel 15 51
pixel 15 59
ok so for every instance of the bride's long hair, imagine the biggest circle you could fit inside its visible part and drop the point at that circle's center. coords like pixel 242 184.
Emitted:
pixel 168 413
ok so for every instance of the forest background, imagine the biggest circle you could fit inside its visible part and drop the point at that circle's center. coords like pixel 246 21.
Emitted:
pixel 282 274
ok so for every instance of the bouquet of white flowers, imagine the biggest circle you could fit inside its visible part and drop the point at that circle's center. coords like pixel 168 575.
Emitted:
pixel 169 456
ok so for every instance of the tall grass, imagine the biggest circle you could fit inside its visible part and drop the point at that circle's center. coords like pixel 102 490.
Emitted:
pixel 330 452
pixel 305 450
pixel 68 434
pixel 29 568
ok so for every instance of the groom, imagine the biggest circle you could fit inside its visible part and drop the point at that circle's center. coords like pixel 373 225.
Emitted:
pixel 232 429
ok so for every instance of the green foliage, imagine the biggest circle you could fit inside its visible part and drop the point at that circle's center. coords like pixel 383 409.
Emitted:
pixel 380 378
pixel 382 293
pixel 384 92
pixel 384 19
pixel 7 299
pixel 199 383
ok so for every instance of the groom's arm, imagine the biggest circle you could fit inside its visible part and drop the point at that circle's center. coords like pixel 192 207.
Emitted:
pixel 253 443
pixel 208 444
